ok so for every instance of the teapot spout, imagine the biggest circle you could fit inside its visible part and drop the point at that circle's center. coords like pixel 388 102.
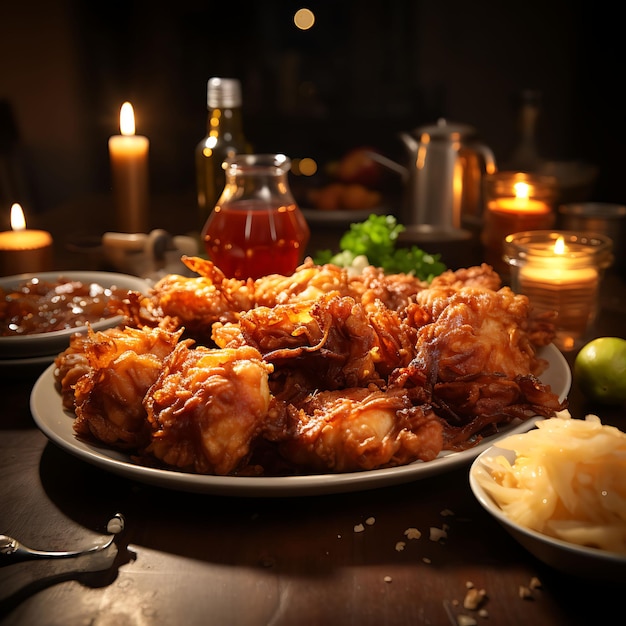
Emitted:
pixel 411 143
pixel 389 164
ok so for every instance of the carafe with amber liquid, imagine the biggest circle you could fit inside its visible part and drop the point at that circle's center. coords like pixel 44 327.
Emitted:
pixel 224 139
pixel 256 228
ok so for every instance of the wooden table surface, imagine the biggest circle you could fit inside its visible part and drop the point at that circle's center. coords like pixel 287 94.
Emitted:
pixel 196 559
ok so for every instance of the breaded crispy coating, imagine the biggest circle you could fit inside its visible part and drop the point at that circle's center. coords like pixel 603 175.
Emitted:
pixel 108 398
pixel 360 429
pixel 207 407
pixel 320 371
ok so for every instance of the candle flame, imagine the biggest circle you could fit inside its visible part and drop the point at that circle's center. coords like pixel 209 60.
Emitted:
pixel 522 190
pixel 18 222
pixel 127 119
pixel 559 246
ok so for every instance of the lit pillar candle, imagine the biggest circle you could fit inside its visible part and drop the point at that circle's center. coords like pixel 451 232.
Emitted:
pixel 520 204
pixel 560 272
pixel 128 153
pixel 24 250
pixel 514 203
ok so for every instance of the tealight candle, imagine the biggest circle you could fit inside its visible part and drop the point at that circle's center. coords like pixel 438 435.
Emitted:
pixel 515 202
pixel 24 250
pixel 129 169
pixel 560 272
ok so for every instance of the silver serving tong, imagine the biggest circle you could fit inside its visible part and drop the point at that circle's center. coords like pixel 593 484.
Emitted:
pixel 12 550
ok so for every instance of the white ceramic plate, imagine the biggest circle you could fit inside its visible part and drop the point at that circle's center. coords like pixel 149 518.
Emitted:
pixel 562 555
pixel 56 424
pixel 43 344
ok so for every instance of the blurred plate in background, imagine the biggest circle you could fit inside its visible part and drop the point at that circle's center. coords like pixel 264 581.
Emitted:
pixel 316 216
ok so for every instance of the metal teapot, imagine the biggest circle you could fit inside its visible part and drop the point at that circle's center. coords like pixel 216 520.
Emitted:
pixel 443 181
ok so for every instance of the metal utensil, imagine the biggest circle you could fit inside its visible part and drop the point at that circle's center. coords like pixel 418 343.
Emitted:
pixel 13 550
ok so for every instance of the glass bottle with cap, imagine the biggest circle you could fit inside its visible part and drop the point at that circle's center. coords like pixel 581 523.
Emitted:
pixel 224 139
pixel 525 156
pixel 256 227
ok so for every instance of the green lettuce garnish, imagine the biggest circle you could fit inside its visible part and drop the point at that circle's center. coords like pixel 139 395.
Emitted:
pixel 376 238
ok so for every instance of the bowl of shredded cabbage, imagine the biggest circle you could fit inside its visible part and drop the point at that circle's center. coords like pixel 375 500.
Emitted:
pixel 559 490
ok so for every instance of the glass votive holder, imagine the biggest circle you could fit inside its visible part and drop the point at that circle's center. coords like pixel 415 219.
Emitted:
pixel 560 271
pixel 515 202
pixel 604 218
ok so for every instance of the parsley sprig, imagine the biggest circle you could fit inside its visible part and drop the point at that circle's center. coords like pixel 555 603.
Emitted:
pixel 376 238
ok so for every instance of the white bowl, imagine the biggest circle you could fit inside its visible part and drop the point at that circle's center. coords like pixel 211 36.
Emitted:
pixel 570 558
pixel 53 342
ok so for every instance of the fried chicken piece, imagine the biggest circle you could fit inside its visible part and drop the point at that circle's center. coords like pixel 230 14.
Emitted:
pixel 477 361
pixel 396 335
pixel 541 327
pixel 476 276
pixel 93 350
pixel 339 351
pixel 108 398
pixel 361 429
pixel 481 405
pixel 475 330
pixel 70 366
pixel 196 303
pixel 306 284
pixel 330 343
pixel 140 311
pixel 207 407
pixel 395 291
pixel 284 327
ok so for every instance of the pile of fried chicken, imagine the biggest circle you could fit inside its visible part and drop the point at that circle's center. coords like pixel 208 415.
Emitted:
pixel 322 371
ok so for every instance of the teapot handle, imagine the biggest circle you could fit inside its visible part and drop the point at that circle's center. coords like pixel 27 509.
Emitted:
pixel 488 158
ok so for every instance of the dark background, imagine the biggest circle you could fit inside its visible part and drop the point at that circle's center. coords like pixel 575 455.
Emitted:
pixel 367 70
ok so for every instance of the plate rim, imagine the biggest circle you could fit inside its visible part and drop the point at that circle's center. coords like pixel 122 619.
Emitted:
pixel 55 422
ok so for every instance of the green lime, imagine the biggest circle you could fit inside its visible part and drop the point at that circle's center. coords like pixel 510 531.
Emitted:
pixel 600 370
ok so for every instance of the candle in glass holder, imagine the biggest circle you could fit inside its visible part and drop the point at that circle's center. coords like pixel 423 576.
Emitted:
pixel 560 271
pixel 129 169
pixel 24 250
pixel 515 202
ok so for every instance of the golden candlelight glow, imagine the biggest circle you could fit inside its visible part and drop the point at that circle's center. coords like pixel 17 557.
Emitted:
pixel 127 119
pixel 304 167
pixel 304 19
pixel 18 222
pixel 522 190
pixel 22 249
pixel 559 246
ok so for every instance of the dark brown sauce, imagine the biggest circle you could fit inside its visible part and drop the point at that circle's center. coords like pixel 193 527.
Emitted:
pixel 37 306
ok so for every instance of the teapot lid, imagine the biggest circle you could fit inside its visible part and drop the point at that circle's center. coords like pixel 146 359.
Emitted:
pixel 445 130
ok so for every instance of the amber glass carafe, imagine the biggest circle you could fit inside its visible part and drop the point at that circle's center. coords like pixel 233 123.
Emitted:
pixel 256 227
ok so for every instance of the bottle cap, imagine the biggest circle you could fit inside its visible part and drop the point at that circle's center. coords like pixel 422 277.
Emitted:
pixel 223 92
